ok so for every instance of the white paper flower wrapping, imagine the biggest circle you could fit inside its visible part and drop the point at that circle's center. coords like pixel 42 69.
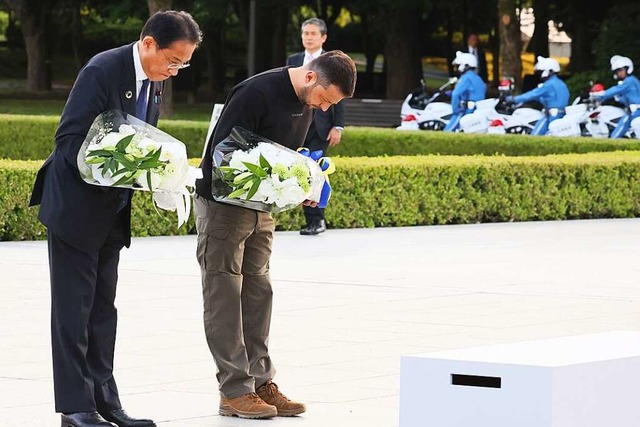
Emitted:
pixel 122 151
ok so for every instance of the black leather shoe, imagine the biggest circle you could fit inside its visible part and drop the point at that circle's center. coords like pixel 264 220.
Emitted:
pixel 121 419
pixel 314 228
pixel 84 419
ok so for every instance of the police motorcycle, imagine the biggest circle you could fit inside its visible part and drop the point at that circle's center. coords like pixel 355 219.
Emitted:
pixel 497 115
pixel 421 111
pixel 602 120
pixel 588 116
pixel 552 93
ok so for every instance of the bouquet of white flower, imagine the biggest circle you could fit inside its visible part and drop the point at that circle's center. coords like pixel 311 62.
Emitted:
pixel 257 173
pixel 122 151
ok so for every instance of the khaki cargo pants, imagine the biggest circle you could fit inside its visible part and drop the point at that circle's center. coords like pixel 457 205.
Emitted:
pixel 234 248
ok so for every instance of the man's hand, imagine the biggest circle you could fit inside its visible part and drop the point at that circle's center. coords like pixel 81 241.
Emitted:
pixel 310 203
pixel 334 137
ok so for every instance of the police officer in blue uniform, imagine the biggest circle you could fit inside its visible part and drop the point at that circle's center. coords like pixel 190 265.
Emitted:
pixel 627 92
pixel 469 89
pixel 552 93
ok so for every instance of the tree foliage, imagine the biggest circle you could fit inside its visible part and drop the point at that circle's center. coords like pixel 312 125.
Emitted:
pixel 400 32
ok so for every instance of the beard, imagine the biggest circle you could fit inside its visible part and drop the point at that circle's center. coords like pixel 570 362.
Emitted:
pixel 304 94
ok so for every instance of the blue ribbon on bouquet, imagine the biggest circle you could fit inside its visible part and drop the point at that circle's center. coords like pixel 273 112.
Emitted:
pixel 327 167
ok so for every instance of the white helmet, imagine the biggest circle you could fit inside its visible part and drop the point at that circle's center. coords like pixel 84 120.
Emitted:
pixel 547 66
pixel 464 61
pixel 618 61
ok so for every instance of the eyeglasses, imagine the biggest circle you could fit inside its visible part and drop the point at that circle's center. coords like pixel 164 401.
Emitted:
pixel 174 65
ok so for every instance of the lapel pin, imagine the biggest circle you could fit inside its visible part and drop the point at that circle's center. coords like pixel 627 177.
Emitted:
pixel 128 94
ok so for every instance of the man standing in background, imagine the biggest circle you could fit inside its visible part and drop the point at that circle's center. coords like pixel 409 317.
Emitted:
pixel 326 128
pixel 474 48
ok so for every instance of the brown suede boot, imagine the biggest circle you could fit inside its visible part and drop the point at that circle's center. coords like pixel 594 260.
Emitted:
pixel 286 408
pixel 246 406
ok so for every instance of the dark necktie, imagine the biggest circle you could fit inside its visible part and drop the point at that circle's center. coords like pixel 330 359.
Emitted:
pixel 141 102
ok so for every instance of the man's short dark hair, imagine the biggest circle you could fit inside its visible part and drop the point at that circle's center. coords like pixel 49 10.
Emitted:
pixel 335 68
pixel 171 26
pixel 315 21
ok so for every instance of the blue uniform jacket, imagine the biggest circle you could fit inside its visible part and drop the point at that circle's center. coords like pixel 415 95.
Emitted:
pixel 553 93
pixel 627 91
pixel 470 87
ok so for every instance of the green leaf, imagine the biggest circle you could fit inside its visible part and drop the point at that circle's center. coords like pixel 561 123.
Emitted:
pixel 125 180
pixel 122 145
pixel 149 182
pixel 148 164
pixel 95 161
pixel 119 172
pixel 265 163
pixel 111 165
pixel 257 170
pixel 228 176
pixel 100 153
pixel 242 177
pixel 254 189
pixel 155 156
pixel 124 161
pixel 236 194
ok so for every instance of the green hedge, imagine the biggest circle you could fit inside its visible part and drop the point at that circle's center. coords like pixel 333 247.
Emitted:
pixel 373 142
pixel 18 221
pixel 24 137
pixel 403 191
pixel 31 137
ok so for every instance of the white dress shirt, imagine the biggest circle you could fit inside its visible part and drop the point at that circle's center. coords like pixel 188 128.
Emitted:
pixel 140 74
pixel 309 56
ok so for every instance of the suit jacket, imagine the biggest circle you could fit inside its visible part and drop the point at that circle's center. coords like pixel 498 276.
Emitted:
pixel 323 121
pixel 79 213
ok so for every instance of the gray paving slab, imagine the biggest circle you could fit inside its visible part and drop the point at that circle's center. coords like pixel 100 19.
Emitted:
pixel 347 305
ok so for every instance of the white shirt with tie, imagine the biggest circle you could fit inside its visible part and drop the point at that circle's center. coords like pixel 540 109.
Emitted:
pixel 140 74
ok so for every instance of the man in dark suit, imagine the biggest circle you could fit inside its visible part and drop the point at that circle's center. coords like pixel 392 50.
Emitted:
pixel 88 225
pixel 326 128
pixel 474 48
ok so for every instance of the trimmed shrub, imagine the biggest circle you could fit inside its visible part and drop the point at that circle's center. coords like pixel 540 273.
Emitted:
pixel 31 137
pixel 18 221
pixel 24 137
pixel 405 191
pixel 373 142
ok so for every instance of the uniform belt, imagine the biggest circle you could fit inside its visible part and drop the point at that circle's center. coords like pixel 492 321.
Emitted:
pixel 555 111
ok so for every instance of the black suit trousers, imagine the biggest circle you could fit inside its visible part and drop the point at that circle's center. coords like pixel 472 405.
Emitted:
pixel 314 142
pixel 83 322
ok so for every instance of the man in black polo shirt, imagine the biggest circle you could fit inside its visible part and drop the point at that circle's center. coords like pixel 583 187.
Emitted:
pixel 234 243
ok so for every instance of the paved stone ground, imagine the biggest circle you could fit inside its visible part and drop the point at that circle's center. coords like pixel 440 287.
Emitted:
pixel 343 314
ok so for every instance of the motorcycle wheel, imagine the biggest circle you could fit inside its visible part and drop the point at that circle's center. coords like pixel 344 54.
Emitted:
pixel 518 130
pixel 431 125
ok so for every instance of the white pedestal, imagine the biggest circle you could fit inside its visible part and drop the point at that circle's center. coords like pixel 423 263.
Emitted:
pixel 579 381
